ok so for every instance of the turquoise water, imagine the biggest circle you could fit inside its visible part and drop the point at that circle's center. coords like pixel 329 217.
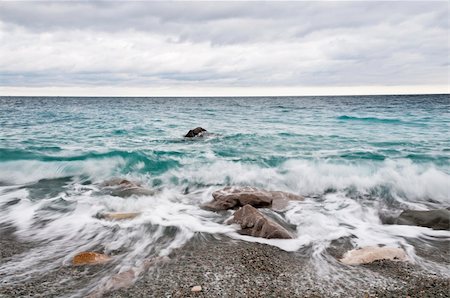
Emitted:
pixel 353 158
pixel 144 135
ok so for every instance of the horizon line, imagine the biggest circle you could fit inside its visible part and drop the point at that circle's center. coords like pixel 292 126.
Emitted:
pixel 225 96
pixel 217 91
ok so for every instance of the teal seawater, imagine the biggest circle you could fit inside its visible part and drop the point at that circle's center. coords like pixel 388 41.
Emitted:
pixel 146 134
pixel 355 159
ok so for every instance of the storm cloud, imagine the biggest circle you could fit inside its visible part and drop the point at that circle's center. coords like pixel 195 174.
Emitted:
pixel 223 44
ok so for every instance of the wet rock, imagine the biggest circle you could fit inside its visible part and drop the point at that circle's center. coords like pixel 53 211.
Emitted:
pixel 125 188
pixel 254 223
pixel 370 254
pixel 89 258
pixel 435 219
pixel 196 289
pixel 234 197
pixel 118 215
pixel 196 132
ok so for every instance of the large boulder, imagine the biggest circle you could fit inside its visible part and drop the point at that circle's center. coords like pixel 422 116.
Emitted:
pixel 370 254
pixel 436 219
pixel 235 197
pixel 254 223
pixel 196 132
pixel 125 188
pixel 89 258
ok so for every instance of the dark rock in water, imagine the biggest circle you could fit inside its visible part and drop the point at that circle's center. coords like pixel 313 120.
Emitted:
pixel 231 197
pixel 125 188
pixel 254 223
pixel 196 132
pixel 435 219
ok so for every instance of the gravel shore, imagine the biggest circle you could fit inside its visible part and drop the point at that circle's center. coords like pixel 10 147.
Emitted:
pixel 228 268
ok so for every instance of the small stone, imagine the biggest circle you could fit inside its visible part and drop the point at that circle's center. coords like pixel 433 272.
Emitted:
pixel 89 258
pixel 118 215
pixel 196 289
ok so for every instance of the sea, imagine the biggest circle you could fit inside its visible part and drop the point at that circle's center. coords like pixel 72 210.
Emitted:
pixel 355 160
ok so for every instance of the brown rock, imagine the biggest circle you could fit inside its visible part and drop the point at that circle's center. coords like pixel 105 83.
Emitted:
pixel 196 132
pixel 118 215
pixel 234 197
pixel 370 254
pixel 89 258
pixel 254 223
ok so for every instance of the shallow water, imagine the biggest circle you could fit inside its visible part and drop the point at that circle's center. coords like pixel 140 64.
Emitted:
pixel 353 158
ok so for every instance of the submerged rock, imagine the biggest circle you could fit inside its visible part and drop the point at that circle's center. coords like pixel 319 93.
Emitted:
pixel 370 254
pixel 125 279
pixel 254 223
pixel 234 197
pixel 118 215
pixel 125 188
pixel 89 258
pixel 120 182
pixel 196 132
pixel 435 219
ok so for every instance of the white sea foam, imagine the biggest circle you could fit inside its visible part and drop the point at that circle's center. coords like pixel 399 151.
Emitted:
pixel 401 177
pixel 26 171
pixel 171 217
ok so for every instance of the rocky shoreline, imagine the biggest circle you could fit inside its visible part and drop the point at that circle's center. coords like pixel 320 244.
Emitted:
pixel 229 268
pixel 216 265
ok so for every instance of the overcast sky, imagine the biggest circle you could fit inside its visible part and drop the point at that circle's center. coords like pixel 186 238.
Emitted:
pixel 223 48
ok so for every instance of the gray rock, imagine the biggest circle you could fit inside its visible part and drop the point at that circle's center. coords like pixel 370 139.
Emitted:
pixel 436 219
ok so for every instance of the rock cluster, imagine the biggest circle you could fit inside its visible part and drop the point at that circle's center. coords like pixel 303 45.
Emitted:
pixel 247 199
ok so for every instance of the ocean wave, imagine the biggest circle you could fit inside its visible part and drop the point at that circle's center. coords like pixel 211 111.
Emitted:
pixel 20 166
pixel 370 119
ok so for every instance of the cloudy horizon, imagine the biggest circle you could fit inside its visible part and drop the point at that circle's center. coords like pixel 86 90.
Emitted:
pixel 223 48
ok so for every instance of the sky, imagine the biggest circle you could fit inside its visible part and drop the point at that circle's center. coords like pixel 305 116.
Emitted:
pixel 223 48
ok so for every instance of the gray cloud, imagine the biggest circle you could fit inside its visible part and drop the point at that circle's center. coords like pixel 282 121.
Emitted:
pixel 223 44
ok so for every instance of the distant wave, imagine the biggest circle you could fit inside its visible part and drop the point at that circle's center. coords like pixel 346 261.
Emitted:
pixel 369 119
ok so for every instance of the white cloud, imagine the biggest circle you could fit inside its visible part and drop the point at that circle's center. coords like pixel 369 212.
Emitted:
pixel 290 46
